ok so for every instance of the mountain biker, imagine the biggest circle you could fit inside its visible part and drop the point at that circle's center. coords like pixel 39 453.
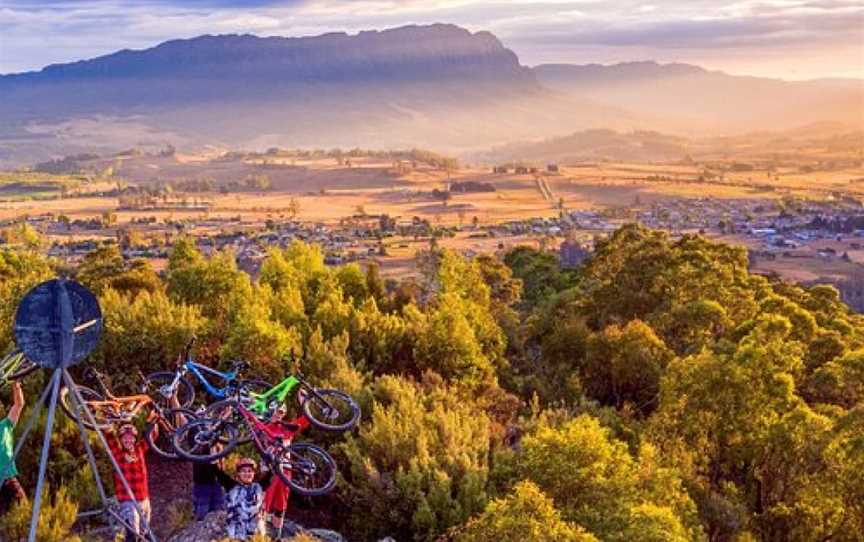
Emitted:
pixel 277 494
pixel 129 452
pixel 208 480
pixel 11 491
pixel 244 501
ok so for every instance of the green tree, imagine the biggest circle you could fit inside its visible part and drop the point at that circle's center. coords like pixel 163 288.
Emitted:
pixel 20 270
pixel 216 285
pixel 840 382
pixel 56 518
pixel 255 336
pixel 144 332
pixel 601 487
pixel 526 515
pixel 624 365
pixel 418 464
pixel 375 284
pixel 540 273
pixel 352 281
pixel 446 343
pixel 105 268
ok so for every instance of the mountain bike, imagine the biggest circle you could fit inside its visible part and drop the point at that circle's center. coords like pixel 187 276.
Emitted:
pixel 109 410
pixel 306 468
pixel 15 366
pixel 326 409
pixel 167 383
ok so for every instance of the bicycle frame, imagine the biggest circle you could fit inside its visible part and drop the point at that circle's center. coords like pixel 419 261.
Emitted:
pixel 261 402
pixel 123 409
pixel 282 437
pixel 118 408
pixel 199 371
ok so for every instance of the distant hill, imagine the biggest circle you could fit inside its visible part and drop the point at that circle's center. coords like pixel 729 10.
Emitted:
pixel 692 99
pixel 436 86
pixel 822 146
pixel 598 144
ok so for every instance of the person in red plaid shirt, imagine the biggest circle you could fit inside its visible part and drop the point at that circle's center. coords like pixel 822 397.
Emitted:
pixel 129 451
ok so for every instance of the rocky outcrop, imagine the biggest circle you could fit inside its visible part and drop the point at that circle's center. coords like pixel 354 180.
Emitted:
pixel 212 529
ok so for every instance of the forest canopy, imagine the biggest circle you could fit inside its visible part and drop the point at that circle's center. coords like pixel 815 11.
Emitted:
pixel 660 392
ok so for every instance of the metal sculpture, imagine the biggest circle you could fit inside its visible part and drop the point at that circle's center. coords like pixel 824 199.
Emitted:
pixel 57 325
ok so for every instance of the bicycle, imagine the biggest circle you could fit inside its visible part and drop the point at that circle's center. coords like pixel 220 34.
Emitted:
pixel 306 468
pixel 15 366
pixel 327 409
pixel 109 410
pixel 168 383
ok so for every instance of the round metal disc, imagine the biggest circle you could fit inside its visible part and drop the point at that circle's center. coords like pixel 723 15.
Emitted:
pixel 58 323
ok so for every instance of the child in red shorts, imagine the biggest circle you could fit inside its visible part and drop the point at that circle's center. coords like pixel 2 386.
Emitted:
pixel 277 494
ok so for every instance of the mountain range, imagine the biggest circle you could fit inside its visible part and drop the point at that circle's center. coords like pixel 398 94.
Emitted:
pixel 694 99
pixel 437 86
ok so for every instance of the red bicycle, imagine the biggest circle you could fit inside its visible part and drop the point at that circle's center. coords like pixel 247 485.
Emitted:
pixel 306 468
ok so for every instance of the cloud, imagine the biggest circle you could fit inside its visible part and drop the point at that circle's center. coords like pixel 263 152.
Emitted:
pixel 705 33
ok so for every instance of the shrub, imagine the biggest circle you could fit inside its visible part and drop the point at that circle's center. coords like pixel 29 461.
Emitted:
pixel 419 463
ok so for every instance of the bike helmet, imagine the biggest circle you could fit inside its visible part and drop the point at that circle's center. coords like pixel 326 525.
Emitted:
pixel 246 462
pixel 127 428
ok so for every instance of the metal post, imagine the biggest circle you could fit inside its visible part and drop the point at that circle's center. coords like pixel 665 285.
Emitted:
pixel 43 461
pixel 32 419
pixel 107 448
pixel 84 438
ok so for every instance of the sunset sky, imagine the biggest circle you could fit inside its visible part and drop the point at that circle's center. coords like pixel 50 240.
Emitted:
pixel 792 39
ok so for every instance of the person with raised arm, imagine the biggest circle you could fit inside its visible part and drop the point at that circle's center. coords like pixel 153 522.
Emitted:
pixel 11 491
pixel 278 493
pixel 129 452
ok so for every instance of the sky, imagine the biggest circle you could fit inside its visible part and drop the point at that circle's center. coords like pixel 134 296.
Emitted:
pixel 789 39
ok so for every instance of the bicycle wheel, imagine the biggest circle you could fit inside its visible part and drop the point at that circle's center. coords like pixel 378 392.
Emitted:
pixel 306 468
pixel 15 366
pixel 227 410
pixel 205 440
pixel 163 443
pixel 159 385
pixel 100 414
pixel 331 410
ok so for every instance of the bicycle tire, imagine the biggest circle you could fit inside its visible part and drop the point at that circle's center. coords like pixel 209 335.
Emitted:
pixel 227 410
pixel 185 390
pixel 319 416
pixel 301 461
pixel 190 445
pixel 163 445
pixel 87 394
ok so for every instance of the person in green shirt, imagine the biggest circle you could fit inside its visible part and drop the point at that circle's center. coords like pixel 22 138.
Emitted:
pixel 11 491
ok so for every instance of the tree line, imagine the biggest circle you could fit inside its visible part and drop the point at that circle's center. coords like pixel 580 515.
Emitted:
pixel 659 392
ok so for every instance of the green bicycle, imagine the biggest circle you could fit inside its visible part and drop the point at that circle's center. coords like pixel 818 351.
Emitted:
pixel 15 366
pixel 326 409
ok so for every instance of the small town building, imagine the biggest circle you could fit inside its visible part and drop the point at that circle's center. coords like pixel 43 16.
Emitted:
pixel 571 254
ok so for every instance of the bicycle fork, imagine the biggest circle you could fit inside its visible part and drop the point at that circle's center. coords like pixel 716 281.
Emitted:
pixel 169 390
